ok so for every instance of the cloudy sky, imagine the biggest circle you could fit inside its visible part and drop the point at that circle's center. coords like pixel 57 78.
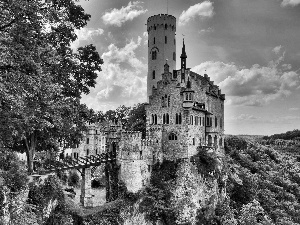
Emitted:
pixel 250 48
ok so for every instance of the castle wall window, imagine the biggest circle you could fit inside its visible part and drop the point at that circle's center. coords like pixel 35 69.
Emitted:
pixel 200 120
pixel 180 119
pixel 220 142
pixel 155 119
pixel 87 152
pixel 154 27
pixel 154 55
pixel 196 120
pixel 191 120
pixel 216 121
pixel 152 119
pixel 193 141
pixel 154 41
pixel 166 26
pixel 153 74
pixel 172 137
pixel 164 119
pixel 176 118
pixel 162 101
pixel 221 123
pixel 174 41
pixel 190 96
pixel 167 119
pixel 210 120
pixel 203 122
pixel 148 43
pixel 166 40
pixel 168 101
pixel 87 140
pixel 215 141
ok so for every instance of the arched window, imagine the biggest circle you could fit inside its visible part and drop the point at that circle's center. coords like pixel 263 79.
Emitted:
pixel 153 74
pixel 154 55
pixel 166 40
pixel 174 56
pixel 191 120
pixel 172 137
pixel 167 119
pixel 216 121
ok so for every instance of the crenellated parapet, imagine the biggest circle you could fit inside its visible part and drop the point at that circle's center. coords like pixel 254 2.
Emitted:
pixel 159 21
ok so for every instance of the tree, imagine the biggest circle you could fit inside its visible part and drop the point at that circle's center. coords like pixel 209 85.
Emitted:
pixel 41 78
pixel 137 119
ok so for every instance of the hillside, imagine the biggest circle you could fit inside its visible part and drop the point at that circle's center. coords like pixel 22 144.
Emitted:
pixel 269 176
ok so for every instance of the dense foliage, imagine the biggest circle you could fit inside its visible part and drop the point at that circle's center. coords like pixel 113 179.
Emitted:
pixel 262 176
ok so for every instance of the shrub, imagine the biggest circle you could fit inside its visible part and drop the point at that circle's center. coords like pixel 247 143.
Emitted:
pixel 73 179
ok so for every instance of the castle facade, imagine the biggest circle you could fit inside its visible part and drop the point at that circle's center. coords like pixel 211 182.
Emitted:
pixel 185 110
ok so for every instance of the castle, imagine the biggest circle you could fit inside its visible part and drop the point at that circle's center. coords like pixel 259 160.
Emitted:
pixel 185 110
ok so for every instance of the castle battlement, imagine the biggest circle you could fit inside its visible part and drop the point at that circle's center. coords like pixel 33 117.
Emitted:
pixel 159 21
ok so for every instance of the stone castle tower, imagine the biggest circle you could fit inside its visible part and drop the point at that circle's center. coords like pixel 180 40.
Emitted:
pixel 161 47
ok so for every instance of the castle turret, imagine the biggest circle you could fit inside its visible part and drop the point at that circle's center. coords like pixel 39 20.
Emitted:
pixel 161 47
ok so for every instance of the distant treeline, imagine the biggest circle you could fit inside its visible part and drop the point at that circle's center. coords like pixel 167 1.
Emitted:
pixel 290 135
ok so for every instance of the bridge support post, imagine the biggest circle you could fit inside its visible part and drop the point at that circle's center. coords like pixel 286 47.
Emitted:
pixel 86 197
pixel 111 173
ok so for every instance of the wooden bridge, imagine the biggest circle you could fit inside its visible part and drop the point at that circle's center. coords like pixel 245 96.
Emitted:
pixel 86 167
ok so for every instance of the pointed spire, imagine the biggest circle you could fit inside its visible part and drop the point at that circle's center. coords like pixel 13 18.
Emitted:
pixel 183 53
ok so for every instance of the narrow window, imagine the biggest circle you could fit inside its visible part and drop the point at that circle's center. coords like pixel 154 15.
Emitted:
pixel 193 141
pixel 154 41
pixel 191 120
pixel 186 96
pixel 154 55
pixel 207 121
pixel 174 41
pixel 153 74
pixel 148 43
pixel 200 120
pixel 210 121
pixel 166 27
pixel 174 56
pixel 164 119
pixel 176 118
pixel 180 119
pixel 169 101
pixel 221 124
pixel 162 101
pixel 190 96
pixel 87 152
pixel 166 40
pixel 87 140
pixel 167 119
pixel 154 27
pixel 216 122
pixel 155 119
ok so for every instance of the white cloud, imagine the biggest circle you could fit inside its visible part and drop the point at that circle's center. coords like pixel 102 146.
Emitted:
pixel 85 34
pixel 294 109
pixel 145 35
pixel 208 30
pixel 277 49
pixel 123 79
pixel 292 3
pixel 253 86
pixel 117 17
pixel 203 9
